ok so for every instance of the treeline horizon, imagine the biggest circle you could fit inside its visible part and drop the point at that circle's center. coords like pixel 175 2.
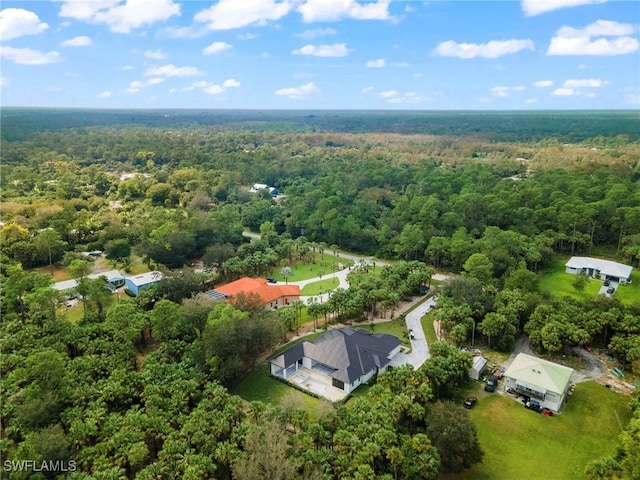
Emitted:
pixel 566 125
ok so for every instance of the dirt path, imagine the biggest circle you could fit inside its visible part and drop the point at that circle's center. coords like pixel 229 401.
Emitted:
pixel 594 371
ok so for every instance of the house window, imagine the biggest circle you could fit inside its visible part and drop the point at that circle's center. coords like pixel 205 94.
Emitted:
pixel 337 383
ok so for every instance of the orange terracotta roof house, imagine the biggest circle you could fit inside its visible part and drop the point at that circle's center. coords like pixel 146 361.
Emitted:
pixel 272 295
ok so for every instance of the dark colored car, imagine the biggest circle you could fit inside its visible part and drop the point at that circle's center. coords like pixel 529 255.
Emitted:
pixel 271 280
pixel 606 283
pixel 610 290
pixel 470 402
pixel 491 385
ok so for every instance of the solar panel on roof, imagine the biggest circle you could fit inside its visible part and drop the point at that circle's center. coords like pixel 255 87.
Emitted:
pixel 216 295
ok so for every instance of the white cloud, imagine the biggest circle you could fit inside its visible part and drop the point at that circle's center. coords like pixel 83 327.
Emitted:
pixel 18 22
pixel 81 41
pixel 367 90
pixel 127 67
pixel 83 10
pixel 201 84
pixel 590 40
pixel 519 88
pixel 216 47
pixel 407 97
pixel 297 93
pixel 172 71
pixel 316 33
pixel 500 91
pixel 190 31
pixel 529 101
pixel 379 63
pixel 155 54
pixel 400 64
pixel 335 50
pixel 388 94
pixel 543 83
pixel 212 88
pixel 536 7
pixel 231 83
pixel 492 49
pixel 230 14
pixel 120 17
pixel 27 56
pixel 633 98
pixel 565 92
pixel 134 87
pixel 247 36
pixel 4 81
pixel 584 83
pixel 137 85
pixel 333 10
pixel 106 94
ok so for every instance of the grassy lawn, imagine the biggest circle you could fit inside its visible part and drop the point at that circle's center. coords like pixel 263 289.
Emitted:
pixel 319 287
pixel 59 273
pixel 427 326
pixel 304 271
pixel 629 294
pixel 519 443
pixel 560 283
pixel 259 385
pixel 396 327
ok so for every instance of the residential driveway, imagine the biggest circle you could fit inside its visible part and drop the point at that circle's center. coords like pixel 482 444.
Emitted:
pixel 419 347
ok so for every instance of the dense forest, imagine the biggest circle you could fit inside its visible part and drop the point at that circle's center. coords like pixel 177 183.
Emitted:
pixel 138 389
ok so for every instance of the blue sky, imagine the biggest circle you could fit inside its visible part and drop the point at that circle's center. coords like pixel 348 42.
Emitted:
pixel 321 54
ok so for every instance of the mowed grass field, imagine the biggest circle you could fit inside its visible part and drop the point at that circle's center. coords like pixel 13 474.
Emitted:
pixel 560 283
pixel 519 443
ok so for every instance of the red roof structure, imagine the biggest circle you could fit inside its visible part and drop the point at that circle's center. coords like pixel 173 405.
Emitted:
pixel 268 292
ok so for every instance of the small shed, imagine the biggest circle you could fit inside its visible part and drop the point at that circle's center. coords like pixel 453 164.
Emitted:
pixel 479 365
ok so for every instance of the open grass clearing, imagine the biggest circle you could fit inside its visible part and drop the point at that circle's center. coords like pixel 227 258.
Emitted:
pixel 519 443
pixel 258 385
pixel 396 327
pixel 60 274
pixel 319 287
pixel 325 264
pixel 629 294
pixel 560 283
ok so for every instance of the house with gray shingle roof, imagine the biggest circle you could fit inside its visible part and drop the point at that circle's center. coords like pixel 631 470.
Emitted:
pixel 348 357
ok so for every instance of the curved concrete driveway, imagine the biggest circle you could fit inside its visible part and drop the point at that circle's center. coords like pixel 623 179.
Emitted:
pixel 419 347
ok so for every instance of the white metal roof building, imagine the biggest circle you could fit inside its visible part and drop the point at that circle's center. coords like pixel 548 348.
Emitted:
pixel 71 284
pixel 544 382
pixel 606 269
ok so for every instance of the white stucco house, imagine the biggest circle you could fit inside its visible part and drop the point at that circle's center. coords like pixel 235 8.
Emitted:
pixel 596 267
pixel 345 357
pixel 545 383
